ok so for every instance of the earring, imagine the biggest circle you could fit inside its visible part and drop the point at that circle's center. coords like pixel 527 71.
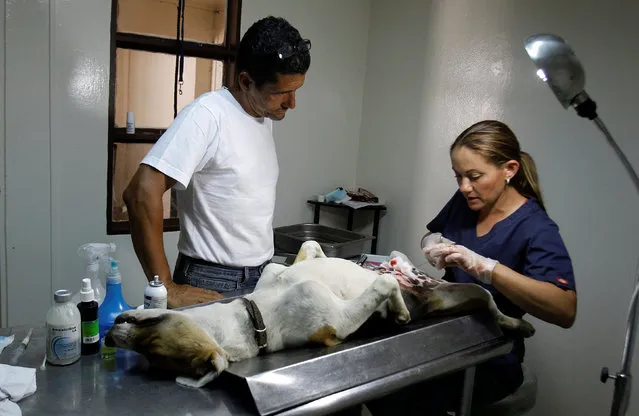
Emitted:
pixel 507 181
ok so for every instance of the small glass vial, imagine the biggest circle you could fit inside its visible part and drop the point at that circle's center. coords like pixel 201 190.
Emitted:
pixel 107 353
pixel 63 330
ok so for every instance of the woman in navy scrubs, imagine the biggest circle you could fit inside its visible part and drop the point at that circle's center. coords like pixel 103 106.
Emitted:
pixel 497 234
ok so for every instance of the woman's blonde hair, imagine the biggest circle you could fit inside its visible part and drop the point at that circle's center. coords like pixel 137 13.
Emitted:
pixel 497 143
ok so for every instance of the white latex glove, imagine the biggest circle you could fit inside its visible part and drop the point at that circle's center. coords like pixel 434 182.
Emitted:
pixel 429 242
pixel 479 267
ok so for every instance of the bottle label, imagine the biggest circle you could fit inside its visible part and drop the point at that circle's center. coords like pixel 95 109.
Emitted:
pixel 64 341
pixel 154 302
pixel 90 332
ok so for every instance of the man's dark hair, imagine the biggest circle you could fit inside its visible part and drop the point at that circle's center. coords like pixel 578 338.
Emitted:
pixel 259 53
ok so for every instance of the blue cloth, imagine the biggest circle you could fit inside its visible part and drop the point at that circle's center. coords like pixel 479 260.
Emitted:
pixel 212 276
pixel 527 241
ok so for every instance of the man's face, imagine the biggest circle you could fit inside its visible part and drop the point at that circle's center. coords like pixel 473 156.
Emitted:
pixel 272 100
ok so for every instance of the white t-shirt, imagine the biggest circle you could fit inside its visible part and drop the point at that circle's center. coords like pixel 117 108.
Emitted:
pixel 226 169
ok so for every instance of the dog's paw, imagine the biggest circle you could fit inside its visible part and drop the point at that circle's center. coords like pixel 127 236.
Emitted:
pixel 520 326
pixel 526 329
pixel 310 249
pixel 403 317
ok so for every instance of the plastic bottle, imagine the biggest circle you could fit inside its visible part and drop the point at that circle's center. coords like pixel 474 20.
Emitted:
pixel 113 303
pixel 63 330
pixel 89 318
pixel 96 255
pixel 130 122
pixel 155 294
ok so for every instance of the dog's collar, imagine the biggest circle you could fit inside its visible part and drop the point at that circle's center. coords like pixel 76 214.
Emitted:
pixel 258 324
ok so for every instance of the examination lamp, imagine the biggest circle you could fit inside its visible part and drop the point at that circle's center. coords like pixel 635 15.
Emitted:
pixel 558 66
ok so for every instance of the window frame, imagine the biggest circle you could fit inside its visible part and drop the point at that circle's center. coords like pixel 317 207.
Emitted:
pixel 226 52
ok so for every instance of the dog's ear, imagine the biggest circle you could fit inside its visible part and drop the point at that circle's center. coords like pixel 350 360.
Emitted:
pixel 209 361
pixel 208 366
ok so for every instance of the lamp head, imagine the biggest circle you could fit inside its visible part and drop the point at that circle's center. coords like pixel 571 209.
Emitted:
pixel 558 66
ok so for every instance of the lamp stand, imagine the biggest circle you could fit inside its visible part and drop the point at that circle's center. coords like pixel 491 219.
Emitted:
pixel 559 67
pixel 623 379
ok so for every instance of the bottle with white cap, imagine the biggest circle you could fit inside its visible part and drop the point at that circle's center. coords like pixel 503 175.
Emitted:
pixel 88 308
pixel 155 294
pixel 63 330
pixel 130 123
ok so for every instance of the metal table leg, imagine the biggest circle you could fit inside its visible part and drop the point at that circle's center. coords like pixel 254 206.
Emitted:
pixel 375 231
pixel 349 223
pixel 467 392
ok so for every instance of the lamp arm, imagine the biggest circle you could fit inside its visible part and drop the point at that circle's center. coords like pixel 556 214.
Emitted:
pixel 623 379
pixel 624 160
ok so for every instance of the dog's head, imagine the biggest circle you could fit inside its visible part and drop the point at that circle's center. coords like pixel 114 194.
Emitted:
pixel 171 341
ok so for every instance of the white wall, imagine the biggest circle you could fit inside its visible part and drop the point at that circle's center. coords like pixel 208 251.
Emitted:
pixel 434 68
pixel 27 159
pixel 57 94
pixel 3 251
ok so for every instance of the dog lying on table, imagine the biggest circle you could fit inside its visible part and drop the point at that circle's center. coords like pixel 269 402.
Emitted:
pixel 317 300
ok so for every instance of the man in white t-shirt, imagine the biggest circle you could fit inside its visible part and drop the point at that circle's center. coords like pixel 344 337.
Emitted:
pixel 220 156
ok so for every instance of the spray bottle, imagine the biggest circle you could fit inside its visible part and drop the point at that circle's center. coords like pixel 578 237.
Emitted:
pixel 89 319
pixel 95 254
pixel 113 303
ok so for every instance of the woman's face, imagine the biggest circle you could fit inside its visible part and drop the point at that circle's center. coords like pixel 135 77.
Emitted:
pixel 481 182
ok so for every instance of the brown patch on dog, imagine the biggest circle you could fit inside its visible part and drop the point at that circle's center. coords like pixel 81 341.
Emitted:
pixel 301 256
pixel 177 341
pixel 325 335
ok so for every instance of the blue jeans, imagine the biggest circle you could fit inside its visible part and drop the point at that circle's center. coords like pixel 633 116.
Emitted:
pixel 213 276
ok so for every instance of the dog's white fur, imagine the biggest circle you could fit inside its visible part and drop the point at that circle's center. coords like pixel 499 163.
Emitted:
pixel 316 300
pixel 319 299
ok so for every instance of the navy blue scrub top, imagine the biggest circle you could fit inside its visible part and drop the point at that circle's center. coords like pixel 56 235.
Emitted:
pixel 527 241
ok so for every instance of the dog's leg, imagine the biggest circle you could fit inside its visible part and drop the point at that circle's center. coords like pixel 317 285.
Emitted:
pixel 395 303
pixel 331 319
pixel 464 297
pixel 355 312
pixel 269 275
pixel 309 250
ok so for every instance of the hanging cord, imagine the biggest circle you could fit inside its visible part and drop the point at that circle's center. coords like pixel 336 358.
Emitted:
pixel 179 57
pixel 182 47
pixel 179 79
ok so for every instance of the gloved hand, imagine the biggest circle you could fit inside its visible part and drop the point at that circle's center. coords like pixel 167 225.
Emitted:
pixel 478 266
pixel 430 241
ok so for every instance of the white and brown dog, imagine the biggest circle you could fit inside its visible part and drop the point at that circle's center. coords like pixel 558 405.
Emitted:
pixel 317 300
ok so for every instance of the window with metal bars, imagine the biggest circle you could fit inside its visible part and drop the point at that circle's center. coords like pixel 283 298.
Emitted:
pixel 164 54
